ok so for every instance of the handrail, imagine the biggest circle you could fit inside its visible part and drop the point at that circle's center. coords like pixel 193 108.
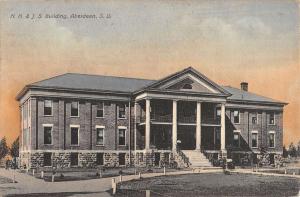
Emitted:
pixel 183 156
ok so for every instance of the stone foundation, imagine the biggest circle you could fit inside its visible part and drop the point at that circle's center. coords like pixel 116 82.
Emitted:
pixel 63 159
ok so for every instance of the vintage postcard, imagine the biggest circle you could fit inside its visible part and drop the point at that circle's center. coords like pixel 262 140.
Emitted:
pixel 149 98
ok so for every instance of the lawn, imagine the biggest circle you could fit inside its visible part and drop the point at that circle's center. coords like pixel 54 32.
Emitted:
pixel 212 184
pixel 75 174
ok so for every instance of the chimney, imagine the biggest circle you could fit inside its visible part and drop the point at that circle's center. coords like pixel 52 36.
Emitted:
pixel 244 86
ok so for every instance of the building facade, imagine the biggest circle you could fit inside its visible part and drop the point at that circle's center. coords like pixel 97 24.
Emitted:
pixel 90 120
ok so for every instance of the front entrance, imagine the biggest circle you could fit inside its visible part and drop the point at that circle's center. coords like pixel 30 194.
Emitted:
pixel 187 136
pixel 210 138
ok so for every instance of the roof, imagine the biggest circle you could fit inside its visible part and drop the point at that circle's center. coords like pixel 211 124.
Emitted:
pixel 75 81
pixel 94 82
pixel 241 95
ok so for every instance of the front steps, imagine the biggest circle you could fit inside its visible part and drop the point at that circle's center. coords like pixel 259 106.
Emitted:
pixel 197 159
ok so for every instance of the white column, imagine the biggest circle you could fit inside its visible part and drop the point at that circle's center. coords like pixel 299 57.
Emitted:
pixel 198 126
pixel 174 125
pixel 223 127
pixel 147 127
pixel 135 130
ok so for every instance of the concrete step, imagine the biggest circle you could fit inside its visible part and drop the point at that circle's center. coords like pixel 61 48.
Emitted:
pixel 197 159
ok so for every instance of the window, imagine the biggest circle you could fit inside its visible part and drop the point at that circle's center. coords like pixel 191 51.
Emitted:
pixel 271 139
pixel 47 134
pixel 236 139
pixel 271 118
pixel 75 109
pixel 47 159
pixel 254 139
pixel 122 133
pixel 121 112
pixel 121 159
pixel 236 117
pixel 48 108
pixel 100 110
pixel 254 118
pixel 100 136
pixel 99 159
pixel 74 159
pixel 218 113
pixel 74 135
pixel 187 86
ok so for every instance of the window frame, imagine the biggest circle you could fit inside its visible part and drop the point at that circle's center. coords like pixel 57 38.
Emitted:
pixel 255 115
pixel 238 116
pixel 239 138
pixel 48 125
pixel 269 119
pixel 77 109
pixel 78 139
pixel 274 139
pixel 51 107
pixel 125 129
pixel 119 111
pixel 256 133
pixel 103 129
pixel 98 109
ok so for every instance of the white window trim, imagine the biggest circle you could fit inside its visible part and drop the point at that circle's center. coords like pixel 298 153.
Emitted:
pixel 238 132
pixel 100 127
pixel 77 110
pixel 256 132
pixel 51 107
pixel 269 118
pixel 124 128
pixel 239 117
pixel 97 110
pixel 74 126
pixel 48 125
pixel 272 132
pixel 119 111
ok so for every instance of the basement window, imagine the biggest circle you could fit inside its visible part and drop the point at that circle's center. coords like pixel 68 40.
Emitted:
pixel 47 159
pixel 74 159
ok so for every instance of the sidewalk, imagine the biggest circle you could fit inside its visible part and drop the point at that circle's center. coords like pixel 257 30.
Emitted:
pixel 94 187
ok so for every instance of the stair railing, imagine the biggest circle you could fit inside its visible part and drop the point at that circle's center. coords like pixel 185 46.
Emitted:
pixel 183 156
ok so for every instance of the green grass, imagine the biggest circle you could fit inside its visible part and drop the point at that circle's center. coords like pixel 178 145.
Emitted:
pixel 213 184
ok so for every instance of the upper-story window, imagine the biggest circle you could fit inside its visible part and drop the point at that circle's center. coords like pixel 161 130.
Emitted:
pixel 272 139
pixel 100 110
pixel 74 135
pixel 272 118
pixel 121 111
pixel 47 134
pixel 48 108
pixel 236 116
pixel 75 109
pixel 254 118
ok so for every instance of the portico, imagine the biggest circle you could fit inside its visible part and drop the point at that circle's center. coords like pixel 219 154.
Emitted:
pixel 180 121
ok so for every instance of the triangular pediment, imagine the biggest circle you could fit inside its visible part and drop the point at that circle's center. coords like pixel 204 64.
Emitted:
pixel 189 80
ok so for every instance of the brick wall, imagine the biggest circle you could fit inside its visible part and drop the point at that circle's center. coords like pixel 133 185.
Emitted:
pixel 262 127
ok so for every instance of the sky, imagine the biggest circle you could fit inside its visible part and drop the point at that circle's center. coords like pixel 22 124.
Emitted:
pixel 228 41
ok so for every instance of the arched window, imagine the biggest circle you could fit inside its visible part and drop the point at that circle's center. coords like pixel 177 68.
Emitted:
pixel 187 86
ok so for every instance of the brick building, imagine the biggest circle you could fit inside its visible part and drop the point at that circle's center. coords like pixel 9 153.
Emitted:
pixel 89 120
